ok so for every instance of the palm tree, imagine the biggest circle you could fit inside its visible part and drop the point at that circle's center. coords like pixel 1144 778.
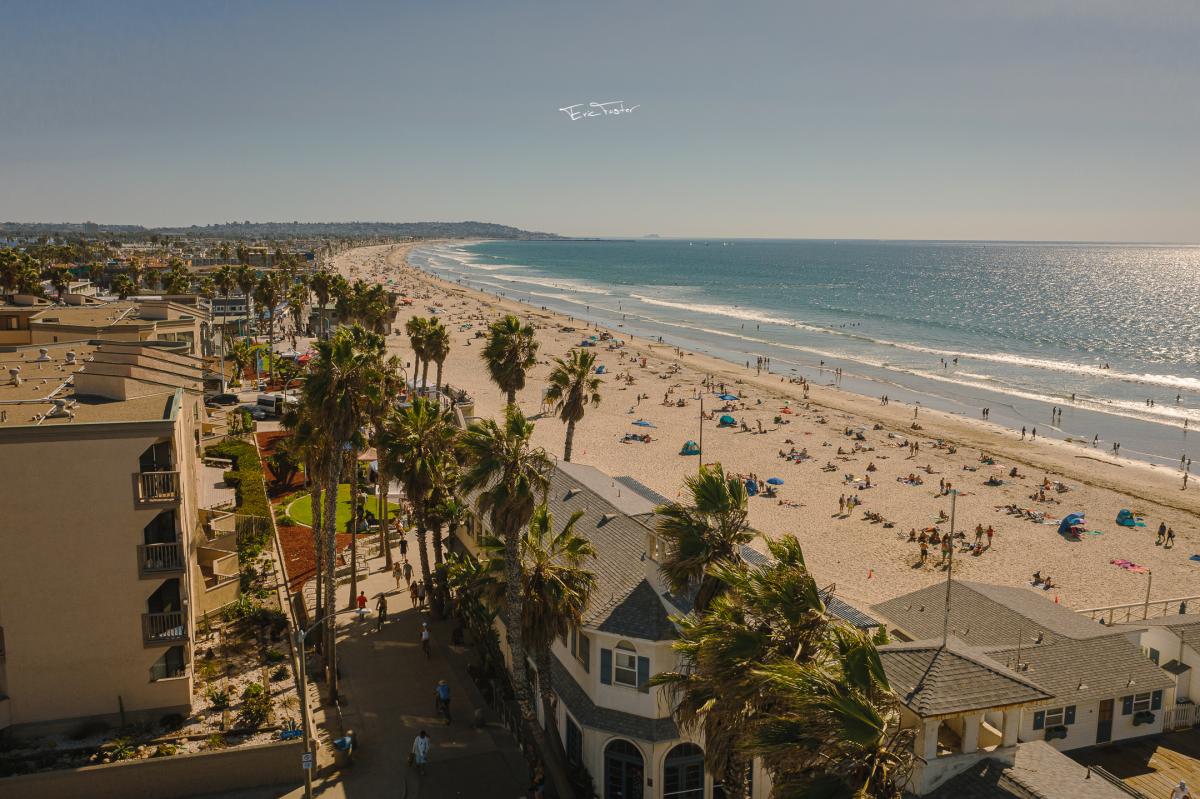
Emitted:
pixel 417 445
pixel 124 286
pixel 708 531
pixel 95 272
pixel 763 616
pixel 510 478
pixel 338 393
pixel 510 353
pixel 61 277
pixel 321 283
pixel 269 293
pixel 417 329
pixel 11 263
pixel 572 387
pixel 245 278
pixel 297 298
pixel 833 726
pixel 243 354
pixel 555 587
pixel 391 384
pixel 308 443
pixel 437 348
pixel 225 279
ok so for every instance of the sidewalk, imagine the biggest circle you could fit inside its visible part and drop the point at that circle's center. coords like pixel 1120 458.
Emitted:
pixel 387 697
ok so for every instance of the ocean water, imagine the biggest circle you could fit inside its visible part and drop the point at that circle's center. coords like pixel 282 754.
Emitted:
pixel 1029 324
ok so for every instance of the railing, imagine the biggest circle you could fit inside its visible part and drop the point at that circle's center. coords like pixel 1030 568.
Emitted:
pixel 154 559
pixel 157 486
pixel 164 628
pixel 1181 717
pixel 1135 611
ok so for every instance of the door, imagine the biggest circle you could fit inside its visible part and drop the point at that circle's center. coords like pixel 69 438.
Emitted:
pixel 1104 723
pixel 623 771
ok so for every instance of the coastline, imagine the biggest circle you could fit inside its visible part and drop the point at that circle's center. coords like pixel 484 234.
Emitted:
pixel 867 564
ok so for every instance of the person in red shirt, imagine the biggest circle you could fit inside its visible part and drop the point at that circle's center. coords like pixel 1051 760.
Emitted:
pixel 362 603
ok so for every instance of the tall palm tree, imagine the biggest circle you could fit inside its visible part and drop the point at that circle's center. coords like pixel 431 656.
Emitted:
pixel 309 445
pixel 123 285
pixel 11 263
pixel 833 726
pixel 61 277
pixel 338 393
pixel 225 279
pixel 242 353
pixel 437 348
pixel 391 384
pixel 572 388
pixel 269 293
pixel 417 445
pixel 555 587
pixel 709 530
pixel 321 284
pixel 297 298
pixel 245 278
pixel 510 478
pixel 417 329
pixel 510 353
pixel 763 616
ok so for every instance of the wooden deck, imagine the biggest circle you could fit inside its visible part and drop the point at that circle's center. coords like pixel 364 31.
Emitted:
pixel 1152 766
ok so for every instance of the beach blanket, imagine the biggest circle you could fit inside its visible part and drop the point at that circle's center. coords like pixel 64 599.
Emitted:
pixel 1195 558
pixel 1129 566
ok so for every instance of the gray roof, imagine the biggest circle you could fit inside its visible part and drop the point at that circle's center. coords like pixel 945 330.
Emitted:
pixel 643 490
pixel 624 602
pixel 1039 772
pixel 932 680
pixel 601 718
pixel 1186 627
pixel 1089 670
pixel 987 615
pixel 616 491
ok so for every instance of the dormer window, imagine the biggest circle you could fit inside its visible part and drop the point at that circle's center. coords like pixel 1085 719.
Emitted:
pixel 625 665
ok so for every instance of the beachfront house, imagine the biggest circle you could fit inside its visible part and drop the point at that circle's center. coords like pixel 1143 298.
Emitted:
pixel 1089 684
pixel 1173 643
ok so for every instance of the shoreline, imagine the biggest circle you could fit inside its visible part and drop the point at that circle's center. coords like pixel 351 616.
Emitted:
pixel 1119 481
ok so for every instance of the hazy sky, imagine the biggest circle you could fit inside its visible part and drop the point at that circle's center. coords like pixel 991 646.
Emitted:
pixel 1039 120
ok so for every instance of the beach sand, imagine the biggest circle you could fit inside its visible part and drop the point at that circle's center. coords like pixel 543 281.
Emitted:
pixel 867 562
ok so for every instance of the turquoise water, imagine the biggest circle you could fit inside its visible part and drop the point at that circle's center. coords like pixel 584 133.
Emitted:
pixel 1030 324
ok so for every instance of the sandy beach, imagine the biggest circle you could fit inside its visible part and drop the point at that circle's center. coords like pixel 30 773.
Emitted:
pixel 867 560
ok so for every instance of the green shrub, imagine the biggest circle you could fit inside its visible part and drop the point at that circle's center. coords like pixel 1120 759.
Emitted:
pixel 215 741
pixel 280 674
pixel 219 697
pixel 241 608
pixel 275 656
pixel 164 750
pixel 120 748
pixel 256 706
pixel 233 479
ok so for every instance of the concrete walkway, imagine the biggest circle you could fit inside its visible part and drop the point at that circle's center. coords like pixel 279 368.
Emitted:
pixel 388 697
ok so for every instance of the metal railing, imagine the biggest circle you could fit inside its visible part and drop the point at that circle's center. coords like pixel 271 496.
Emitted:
pixel 164 628
pixel 1135 611
pixel 157 486
pixel 154 559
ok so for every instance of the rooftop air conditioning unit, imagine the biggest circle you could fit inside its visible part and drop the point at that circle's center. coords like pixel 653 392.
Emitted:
pixel 43 355
pixel 14 375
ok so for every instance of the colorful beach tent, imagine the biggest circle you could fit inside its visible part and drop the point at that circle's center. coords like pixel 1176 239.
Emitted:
pixel 728 420
pixel 690 448
pixel 1069 521
pixel 728 397
pixel 1126 519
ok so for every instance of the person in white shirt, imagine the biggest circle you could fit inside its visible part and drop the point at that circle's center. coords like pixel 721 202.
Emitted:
pixel 420 751
pixel 1181 792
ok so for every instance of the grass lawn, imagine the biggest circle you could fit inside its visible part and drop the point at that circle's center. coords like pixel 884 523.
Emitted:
pixel 300 509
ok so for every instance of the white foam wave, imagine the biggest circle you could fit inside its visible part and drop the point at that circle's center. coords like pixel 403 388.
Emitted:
pixel 731 311
pixel 560 284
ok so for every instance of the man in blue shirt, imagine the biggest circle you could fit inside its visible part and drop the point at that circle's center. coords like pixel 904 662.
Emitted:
pixel 442 698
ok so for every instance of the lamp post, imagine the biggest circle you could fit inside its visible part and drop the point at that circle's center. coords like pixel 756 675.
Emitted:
pixel 701 444
pixel 949 568
pixel 304 722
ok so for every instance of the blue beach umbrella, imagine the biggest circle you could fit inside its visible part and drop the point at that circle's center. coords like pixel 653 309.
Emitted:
pixel 643 423
pixel 775 481
pixel 728 397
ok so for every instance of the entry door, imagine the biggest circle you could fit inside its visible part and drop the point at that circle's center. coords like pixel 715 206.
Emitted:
pixel 623 771
pixel 1104 724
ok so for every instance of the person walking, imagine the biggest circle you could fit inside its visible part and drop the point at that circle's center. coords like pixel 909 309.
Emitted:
pixel 425 639
pixel 381 609
pixel 1162 533
pixel 403 547
pixel 1170 539
pixel 398 573
pixel 407 574
pixel 441 699
pixel 361 601
pixel 420 752
pixel 990 533
pixel 1181 791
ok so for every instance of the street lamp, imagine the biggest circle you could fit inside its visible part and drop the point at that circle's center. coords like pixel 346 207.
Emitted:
pixel 301 635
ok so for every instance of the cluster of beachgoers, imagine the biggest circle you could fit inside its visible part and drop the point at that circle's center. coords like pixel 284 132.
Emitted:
pixel 894 472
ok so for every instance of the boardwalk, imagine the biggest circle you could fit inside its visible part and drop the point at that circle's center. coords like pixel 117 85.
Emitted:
pixel 1151 766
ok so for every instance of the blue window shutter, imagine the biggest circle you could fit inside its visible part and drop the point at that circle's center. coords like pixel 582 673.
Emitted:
pixel 1156 700
pixel 1126 705
pixel 606 666
pixel 1039 720
pixel 643 674
pixel 1069 715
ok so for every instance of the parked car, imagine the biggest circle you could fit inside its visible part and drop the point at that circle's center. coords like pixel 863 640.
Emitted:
pixel 256 413
pixel 222 399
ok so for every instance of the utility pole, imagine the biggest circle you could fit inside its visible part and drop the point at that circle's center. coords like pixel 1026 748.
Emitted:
pixel 949 569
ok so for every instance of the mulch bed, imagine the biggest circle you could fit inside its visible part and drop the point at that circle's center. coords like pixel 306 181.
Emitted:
pixel 299 559
pixel 267 442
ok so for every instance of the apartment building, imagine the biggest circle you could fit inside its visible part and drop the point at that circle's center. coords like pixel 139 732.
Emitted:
pixel 103 569
pixel 33 320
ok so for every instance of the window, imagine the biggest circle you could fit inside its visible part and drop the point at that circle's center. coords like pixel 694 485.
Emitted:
pixel 1153 654
pixel 1054 717
pixel 1141 702
pixel 171 664
pixel 581 648
pixel 574 742
pixel 625 671
pixel 683 773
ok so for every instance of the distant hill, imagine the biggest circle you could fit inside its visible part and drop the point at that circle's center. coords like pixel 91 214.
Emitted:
pixel 284 230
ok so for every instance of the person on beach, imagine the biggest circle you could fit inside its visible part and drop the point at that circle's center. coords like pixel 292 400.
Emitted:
pixel 924 553
pixel 990 533
pixel 1170 539
pixel 1022 433
pixel 1162 533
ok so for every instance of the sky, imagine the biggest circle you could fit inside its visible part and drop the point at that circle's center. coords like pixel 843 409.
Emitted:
pixel 931 120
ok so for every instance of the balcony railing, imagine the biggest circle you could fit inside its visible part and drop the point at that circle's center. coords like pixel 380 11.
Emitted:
pixel 157 559
pixel 157 486
pixel 164 628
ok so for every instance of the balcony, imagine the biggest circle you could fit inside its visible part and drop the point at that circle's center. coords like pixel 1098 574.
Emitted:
pixel 157 487
pixel 164 628
pixel 155 560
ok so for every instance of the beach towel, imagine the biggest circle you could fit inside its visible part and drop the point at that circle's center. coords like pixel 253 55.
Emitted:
pixel 1195 558
pixel 1129 566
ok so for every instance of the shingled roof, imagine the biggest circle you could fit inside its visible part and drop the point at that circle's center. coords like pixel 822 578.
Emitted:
pixel 934 680
pixel 589 714
pixel 987 615
pixel 1187 627
pixel 1039 771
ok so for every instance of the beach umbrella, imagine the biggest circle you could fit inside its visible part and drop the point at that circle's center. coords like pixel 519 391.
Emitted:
pixel 727 419
pixel 643 423
pixel 775 481
pixel 728 397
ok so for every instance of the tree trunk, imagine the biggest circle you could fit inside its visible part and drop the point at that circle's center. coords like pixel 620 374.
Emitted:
pixel 353 527
pixel 438 379
pixel 384 546
pixel 270 346
pixel 314 499
pixel 512 397
pixel 570 443
pixel 331 484
pixel 513 613
pixel 425 375
pixel 422 552
pixel 545 688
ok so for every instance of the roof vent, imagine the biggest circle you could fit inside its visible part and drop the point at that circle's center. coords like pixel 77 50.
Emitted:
pixel 61 408
pixel 572 492
pixel 71 356
pixel 606 518
pixel 1040 637
pixel 14 375
pixel 43 355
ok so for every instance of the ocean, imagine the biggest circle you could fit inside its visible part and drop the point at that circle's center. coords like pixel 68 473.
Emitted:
pixel 958 326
